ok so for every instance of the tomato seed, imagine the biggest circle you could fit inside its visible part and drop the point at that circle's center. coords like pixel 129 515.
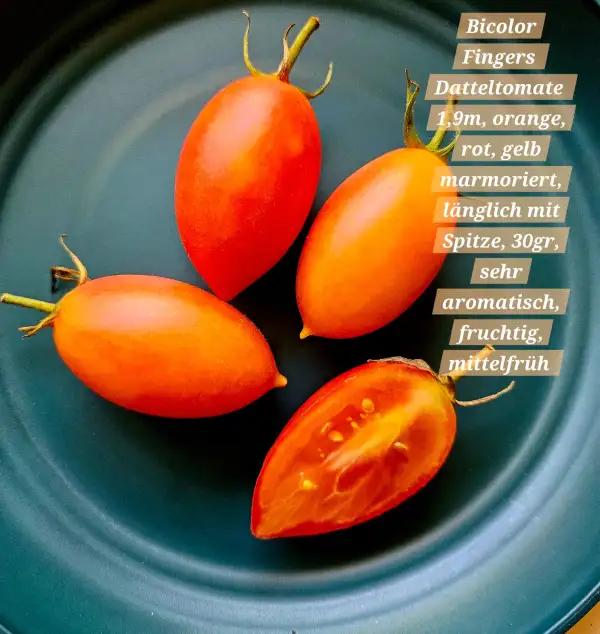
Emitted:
pixel 367 405
pixel 326 427
pixel 309 485
pixel 335 436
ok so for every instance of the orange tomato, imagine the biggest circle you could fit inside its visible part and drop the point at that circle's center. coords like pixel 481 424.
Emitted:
pixel 157 346
pixel 362 444
pixel 369 253
pixel 248 174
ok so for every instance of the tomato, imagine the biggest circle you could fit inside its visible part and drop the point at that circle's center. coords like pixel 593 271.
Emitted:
pixel 157 346
pixel 369 253
pixel 362 444
pixel 248 173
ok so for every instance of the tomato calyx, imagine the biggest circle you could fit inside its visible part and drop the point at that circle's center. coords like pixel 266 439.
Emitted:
pixel 290 55
pixel 366 442
pixel 448 380
pixel 78 274
pixel 412 139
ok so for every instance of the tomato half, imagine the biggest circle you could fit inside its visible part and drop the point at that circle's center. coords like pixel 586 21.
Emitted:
pixel 358 447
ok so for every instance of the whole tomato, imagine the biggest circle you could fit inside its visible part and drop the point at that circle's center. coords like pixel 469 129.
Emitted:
pixel 155 345
pixel 248 173
pixel 362 444
pixel 369 253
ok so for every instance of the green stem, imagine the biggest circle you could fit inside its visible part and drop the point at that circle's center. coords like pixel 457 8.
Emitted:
pixel 449 380
pixel 291 55
pixel 26 302
pixel 440 133
pixel 480 356
pixel 79 275
pixel 412 139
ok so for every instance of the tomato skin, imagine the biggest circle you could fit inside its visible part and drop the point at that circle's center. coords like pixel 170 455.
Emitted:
pixel 162 347
pixel 416 413
pixel 369 253
pixel 246 180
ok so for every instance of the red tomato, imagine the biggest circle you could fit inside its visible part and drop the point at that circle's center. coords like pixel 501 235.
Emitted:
pixel 369 253
pixel 248 174
pixel 361 445
pixel 158 346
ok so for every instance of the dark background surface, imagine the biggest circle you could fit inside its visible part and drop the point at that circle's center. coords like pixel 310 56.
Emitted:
pixel 116 523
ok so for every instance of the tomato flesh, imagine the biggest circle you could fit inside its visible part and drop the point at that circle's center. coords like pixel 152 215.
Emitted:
pixel 362 444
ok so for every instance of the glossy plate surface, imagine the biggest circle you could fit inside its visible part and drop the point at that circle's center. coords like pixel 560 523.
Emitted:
pixel 114 522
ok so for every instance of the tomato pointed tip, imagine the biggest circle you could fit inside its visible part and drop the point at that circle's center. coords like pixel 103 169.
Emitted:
pixel 257 532
pixel 225 296
pixel 280 380
pixel 306 332
pixel 259 535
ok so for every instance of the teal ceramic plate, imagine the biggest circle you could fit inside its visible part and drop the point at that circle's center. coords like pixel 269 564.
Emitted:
pixel 114 523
